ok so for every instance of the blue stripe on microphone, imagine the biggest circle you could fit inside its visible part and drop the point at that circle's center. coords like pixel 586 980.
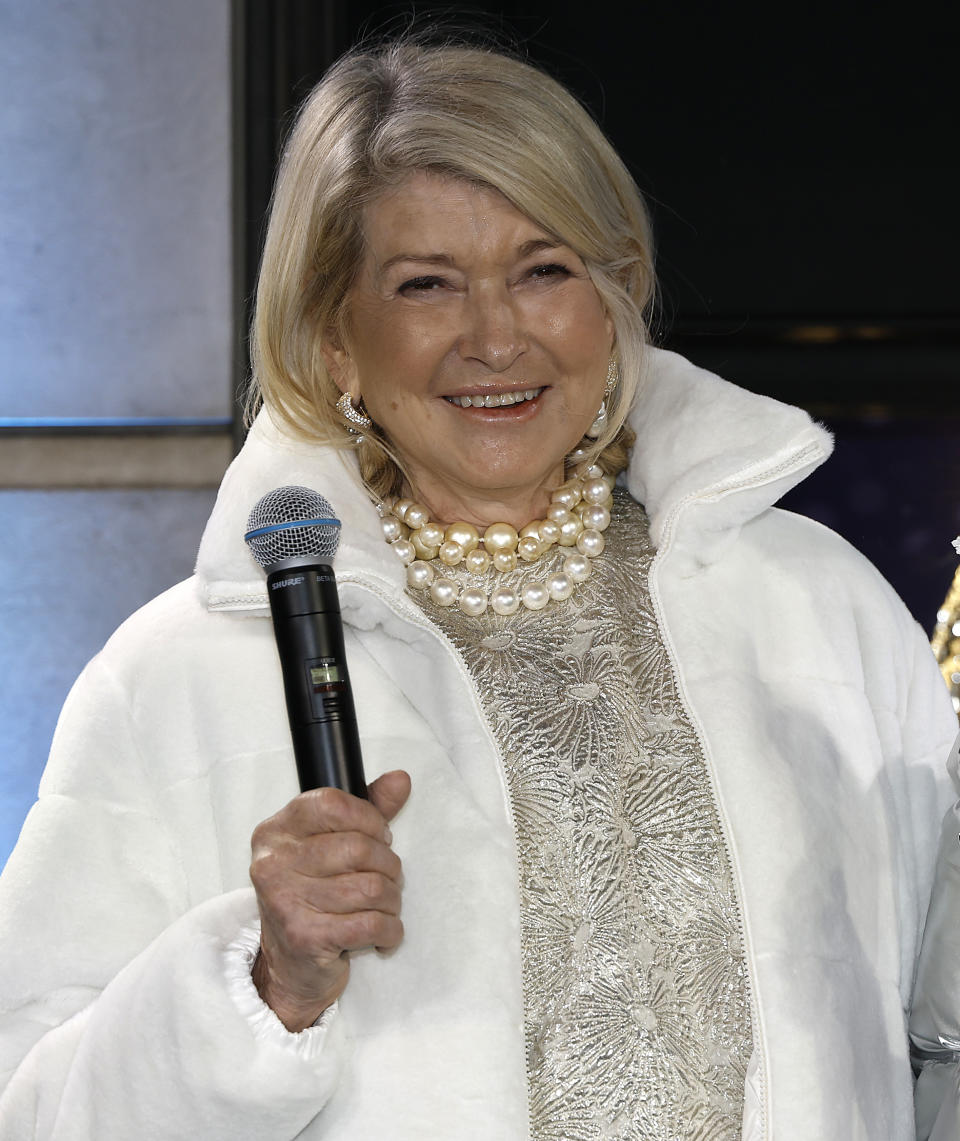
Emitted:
pixel 273 527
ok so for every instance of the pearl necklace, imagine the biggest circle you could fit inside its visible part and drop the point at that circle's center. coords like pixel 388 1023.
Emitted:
pixel 578 515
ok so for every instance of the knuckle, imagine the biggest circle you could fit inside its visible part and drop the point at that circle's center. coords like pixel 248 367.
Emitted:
pixel 368 927
pixel 263 868
pixel 356 849
pixel 370 888
pixel 324 802
pixel 263 835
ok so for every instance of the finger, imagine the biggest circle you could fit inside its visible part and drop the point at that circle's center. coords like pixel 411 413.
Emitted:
pixel 362 929
pixel 389 793
pixel 322 810
pixel 338 853
pixel 320 938
pixel 356 892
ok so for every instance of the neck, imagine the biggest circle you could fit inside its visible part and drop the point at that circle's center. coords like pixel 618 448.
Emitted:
pixel 516 506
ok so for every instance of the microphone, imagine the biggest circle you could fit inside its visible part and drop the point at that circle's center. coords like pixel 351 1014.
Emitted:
pixel 293 534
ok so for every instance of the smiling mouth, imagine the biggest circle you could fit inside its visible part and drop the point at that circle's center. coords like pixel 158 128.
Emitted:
pixel 495 400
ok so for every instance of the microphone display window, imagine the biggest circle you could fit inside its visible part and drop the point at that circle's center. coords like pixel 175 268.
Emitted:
pixel 326 685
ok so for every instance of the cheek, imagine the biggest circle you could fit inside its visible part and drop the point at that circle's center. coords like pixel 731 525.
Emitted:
pixel 404 415
pixel 580 331
pixel 401 354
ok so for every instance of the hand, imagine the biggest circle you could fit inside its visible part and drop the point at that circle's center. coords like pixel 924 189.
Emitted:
pixel 327 882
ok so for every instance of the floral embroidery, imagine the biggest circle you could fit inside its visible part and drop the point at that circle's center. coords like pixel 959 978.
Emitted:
pixel 637 1019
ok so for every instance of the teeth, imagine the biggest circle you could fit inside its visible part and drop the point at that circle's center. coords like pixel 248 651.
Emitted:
pixel 497 400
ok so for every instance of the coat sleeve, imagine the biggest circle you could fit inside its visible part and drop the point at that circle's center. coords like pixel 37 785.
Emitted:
pixel 935 1014
pixel 118 1018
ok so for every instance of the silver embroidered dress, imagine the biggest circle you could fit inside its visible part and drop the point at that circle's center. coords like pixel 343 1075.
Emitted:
pixel 634 982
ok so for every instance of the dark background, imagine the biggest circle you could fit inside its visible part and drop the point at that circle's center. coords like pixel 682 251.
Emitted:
pixel 801 167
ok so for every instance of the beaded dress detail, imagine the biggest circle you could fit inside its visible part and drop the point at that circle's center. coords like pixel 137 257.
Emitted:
pixel 635 989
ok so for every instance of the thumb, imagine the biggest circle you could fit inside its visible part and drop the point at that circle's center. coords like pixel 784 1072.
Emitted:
pixel 389 793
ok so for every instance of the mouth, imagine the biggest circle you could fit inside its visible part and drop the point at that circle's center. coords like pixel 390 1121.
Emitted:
pixel 495 399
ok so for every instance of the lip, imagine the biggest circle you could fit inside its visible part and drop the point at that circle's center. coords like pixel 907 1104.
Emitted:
pixel 484 391
pixel 492 389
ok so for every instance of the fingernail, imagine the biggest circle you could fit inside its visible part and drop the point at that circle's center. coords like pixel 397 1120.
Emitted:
pixel 387 835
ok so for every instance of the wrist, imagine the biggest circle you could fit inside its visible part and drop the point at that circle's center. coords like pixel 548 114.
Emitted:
pixel 294 1011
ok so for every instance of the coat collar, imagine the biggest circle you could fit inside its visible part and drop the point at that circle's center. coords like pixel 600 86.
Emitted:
pixel 708 458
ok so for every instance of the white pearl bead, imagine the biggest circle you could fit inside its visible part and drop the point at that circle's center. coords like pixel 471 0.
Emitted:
pixel 405 551
pixel 567 496
pixel 477 561
pixel 400 508
pixel 465 534
pixel 549 531
pixel 529 549
pixel 416 516
pixel 424 551
pixel 431 534
pixel 595 517
pixel 570 528
pixel 419 575
pixel 444 591
pixel 594 471
pixel 576 455
pixel 392 528
pixel 534 595
pixel 590 543
pixel 473 601
pixel 557 512
pixel 505 600
pixel 500 537
pixel 597 490
pixel 451 553
pixel 560 586
pixel 577 567
pixel 505 560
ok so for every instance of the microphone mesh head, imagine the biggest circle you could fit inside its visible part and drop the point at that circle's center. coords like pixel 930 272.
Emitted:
pixel 292 522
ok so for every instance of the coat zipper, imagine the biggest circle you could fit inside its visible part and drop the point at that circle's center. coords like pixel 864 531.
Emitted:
pixel 412 614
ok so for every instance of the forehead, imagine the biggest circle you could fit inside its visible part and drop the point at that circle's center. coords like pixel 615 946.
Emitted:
pixel 426 211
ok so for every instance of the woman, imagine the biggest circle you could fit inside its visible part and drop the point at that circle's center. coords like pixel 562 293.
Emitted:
pixel 660 762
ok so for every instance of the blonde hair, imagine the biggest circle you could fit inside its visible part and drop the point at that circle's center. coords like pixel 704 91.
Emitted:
pixel 461 111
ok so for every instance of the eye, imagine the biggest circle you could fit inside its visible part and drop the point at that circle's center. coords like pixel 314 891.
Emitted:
pixel 421 284
pixel 551 269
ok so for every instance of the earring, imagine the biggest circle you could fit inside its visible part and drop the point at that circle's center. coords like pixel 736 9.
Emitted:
pixel 354 414
pixel 599 425
pixel 613 377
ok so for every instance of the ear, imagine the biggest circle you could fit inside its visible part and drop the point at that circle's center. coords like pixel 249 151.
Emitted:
pixel 611 331
pixel 340 364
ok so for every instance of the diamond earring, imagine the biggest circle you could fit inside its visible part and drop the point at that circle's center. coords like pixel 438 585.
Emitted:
pixel 353 414
pixel 599 425
pixel 613 377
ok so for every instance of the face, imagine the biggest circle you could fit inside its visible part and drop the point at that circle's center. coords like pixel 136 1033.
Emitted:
pixel 462 300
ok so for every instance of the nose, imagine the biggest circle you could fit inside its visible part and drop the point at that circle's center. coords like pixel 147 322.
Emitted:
pixel 493 331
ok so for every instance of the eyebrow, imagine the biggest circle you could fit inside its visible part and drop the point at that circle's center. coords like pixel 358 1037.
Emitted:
pixel 534 246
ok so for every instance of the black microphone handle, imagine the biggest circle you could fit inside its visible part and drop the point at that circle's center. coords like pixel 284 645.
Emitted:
pixel 323 721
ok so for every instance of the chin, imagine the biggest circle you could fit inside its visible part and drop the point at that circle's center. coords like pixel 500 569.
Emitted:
pixel 507 476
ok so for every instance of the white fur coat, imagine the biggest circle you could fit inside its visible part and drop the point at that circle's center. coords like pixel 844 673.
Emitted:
pixel 824 722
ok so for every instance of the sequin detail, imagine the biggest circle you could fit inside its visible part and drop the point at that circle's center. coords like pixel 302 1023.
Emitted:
pixel 635 991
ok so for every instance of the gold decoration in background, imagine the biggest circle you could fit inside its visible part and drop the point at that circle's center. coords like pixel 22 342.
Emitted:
pixel 946 640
